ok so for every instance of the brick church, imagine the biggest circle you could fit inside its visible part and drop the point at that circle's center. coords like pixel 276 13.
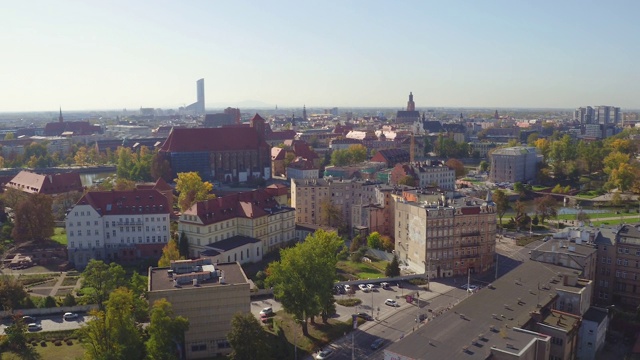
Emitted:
pixel 227 154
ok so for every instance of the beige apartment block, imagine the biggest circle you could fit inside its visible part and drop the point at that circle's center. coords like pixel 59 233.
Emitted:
pixel 445 237
pixel 208 296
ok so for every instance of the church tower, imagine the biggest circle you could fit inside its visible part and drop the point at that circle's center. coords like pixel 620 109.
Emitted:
pixel 304 113
pixel 60 119
pixel 411 106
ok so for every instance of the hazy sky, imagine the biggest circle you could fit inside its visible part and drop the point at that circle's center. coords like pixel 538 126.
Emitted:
pixel 126 54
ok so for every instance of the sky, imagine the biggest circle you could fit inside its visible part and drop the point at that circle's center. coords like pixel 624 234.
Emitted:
pixel 116 54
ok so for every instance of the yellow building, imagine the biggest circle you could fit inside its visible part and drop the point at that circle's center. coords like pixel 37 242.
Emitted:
pixel 208 296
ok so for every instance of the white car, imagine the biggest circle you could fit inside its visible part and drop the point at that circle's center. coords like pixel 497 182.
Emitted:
pixel 69 316
pixel 347 288
pixel 371 286
pixel 363 287
pixel 391 302
pixel 266 311
pixel 469 287
pixel 34 327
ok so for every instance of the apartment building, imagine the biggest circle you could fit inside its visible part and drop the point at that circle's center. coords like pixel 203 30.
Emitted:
pixel 443 236
pixel 379 215
pixel 518 163
pixel 618 267
pixel 308 195
pixel 121 226
pixel 257 221
pixel 208 295
pixel 426 173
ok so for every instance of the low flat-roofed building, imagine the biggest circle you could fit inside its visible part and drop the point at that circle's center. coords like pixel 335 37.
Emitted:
pixel 208 295
pixel 576 255
pixel 513 318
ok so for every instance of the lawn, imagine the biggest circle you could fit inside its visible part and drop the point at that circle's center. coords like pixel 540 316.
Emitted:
pixel 52 352
pixel 540 188
pixel 59 236
pixel 363 270
pixel 598 216
pixel 320 334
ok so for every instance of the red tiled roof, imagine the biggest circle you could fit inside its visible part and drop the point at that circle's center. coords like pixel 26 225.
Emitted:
pixel 249 204
pixel 126 202
pixel 212 139
pixel 46 184
pixel 277 189
pixel 302 149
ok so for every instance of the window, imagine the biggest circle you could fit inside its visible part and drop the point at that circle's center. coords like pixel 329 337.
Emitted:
pixel 97 243
pixel 70 233
pixel 199 347
pixel 95 222
pixel 73 244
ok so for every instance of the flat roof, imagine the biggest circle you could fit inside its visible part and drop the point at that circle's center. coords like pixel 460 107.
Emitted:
pixel 505 305
pixel 567 247
pixel 160 280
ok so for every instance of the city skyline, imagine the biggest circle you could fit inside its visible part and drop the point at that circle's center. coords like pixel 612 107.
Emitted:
pixel 496 54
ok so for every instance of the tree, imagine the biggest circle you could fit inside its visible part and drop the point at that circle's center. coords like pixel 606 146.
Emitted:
pixel 29 227
pixel 122 184
pixel 407 180
pixel 330 214
pixel 289 156
pixel 374 240
pixel 357 242
pixel 393 267
pixel 623 177
pixel 387 243
pixel 519 188
pixel 456 165
pixel 12 292
pixel 9 136
pixel 484 166
pixel 113 334
pixel 49 302
pixel 245 326
pixel 160 167
pixel 614 160
pixel 192 189
pixel 103 279
pixel 303 278
pixel 166 331
pixel 169 252
pixel 15 340
pixel 183 246
pixel 546 207
pixel 358 153
pixel 69 300
pixel 502 203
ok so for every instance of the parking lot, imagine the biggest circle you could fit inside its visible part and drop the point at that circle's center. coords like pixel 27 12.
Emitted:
pixel 53 322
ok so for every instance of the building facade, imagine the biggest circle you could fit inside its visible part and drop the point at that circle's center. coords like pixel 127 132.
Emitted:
pixel 445 237
pixel 254 214
pixel 121 226
pixel 426 173
pixel 226 154
pixel 513 164
pixel 206 294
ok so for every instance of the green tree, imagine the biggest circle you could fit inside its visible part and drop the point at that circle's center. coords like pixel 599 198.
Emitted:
pixel 387 243
pixel 330 214
pixel 165 331
pixel 125 162
pixel 407 180
pixel 169 252
pixel 69 300
pixel 303 278
pixel 502 203
pixel 192 189
pixel 357 242
pixel 160 167
pixel 12 293
pixel 623 177
pixel 374 240
pixel 245 326
pixel 29 227
pixel 9 136
pixel 113 334
pixel 49 302
pixel 102 279
pixel 484 166
pixel 519 188
pixel 393 267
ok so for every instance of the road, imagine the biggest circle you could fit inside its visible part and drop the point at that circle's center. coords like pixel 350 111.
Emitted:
pixel 53 323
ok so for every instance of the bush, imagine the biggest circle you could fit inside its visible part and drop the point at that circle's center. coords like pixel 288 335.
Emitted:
pixel 69 342
pixel 418 281
pixel 349 302
pixel 43 343
pixel 57 343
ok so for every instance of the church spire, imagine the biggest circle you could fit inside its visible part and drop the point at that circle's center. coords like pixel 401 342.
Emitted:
pixel 304 113
pixel 411 106
pixel 60 119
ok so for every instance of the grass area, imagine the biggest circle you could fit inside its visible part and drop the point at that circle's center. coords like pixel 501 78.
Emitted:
pixel 599 215
pixel 320 334
pixel 612 222
pixel 36 278
pixel 540 188
pixel 526 240
pixel 588 195
pixel 363 270
pixel 70 280
pixel 59 235
pixel 52 352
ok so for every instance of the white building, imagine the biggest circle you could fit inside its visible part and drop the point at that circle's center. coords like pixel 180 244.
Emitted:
pixel 121 226
pixel 593 331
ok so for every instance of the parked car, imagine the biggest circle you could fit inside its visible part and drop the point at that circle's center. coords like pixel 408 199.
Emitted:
pixel 371 286
pixel 34 327
pixel 347 288
pixel 469 287
pixel 384 285
pixel 365 316
pixel 268 311
pixel 339 289
pixel 28 319
pixel 421 317
pixel 391 302
pixel 377 344
pixel 324 354
pixel 363 287
pixel 69 316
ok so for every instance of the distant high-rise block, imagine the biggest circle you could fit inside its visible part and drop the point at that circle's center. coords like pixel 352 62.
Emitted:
pixel 198 106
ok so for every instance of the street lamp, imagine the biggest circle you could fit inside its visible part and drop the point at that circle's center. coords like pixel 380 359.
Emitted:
pixel 295 339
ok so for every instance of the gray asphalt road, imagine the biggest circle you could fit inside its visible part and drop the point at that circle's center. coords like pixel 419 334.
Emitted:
pixel 54 323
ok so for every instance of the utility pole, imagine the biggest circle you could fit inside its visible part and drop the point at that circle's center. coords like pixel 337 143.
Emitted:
pixel 497 258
